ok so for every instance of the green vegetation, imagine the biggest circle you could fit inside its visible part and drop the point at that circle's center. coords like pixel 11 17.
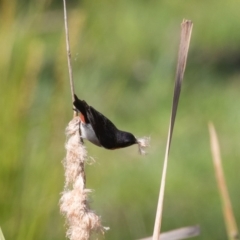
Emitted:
pixel 124 56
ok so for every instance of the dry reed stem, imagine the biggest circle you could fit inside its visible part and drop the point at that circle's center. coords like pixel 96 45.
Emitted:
pixel 1 235
pixel 230 221
pixel 68 51
pixel 177 234
pixel 186 30
pixel 81 221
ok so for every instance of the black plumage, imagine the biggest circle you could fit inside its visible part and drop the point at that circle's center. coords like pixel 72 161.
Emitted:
pixel 106 133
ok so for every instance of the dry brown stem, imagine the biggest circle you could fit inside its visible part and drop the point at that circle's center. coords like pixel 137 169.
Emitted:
pixel 230 221
pixel 177 234
pixel 68 50
pixel 181 64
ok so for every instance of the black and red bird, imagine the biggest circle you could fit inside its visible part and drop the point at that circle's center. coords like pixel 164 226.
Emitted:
pixel 99 130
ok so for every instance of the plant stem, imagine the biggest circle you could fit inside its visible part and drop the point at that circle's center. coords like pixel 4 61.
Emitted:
pixel 230 221
pixel 68 50
pixel 181 64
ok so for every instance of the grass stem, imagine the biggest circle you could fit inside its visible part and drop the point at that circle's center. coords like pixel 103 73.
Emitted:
pixel 68 50
pixel 186 30
pixel 1 235
pixel 226 202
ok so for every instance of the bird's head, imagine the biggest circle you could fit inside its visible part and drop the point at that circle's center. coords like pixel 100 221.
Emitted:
pixel 125 139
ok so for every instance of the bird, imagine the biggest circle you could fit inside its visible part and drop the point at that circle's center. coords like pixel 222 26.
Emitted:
pixel 99 130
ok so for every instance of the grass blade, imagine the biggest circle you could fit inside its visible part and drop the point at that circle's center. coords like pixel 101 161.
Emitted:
pixel 177 234
pixel 1 235
pixel 182 58
pixel 230 221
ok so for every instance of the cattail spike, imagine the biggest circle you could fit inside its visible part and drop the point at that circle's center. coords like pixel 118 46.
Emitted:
pixel 81 220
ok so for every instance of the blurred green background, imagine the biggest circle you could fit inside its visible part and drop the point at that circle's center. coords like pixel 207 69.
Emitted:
pixel 124 59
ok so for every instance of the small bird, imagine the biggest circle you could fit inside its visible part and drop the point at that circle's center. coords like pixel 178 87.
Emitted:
pixel 99 130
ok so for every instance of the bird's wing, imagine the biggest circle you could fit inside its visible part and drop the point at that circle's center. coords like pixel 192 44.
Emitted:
pixel 104 129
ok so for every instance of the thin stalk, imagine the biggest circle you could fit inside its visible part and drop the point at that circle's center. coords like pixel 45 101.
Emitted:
pixel 186 30
pixel 177 234
pixel 1 235
pixel 230 221
pixel 68 50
